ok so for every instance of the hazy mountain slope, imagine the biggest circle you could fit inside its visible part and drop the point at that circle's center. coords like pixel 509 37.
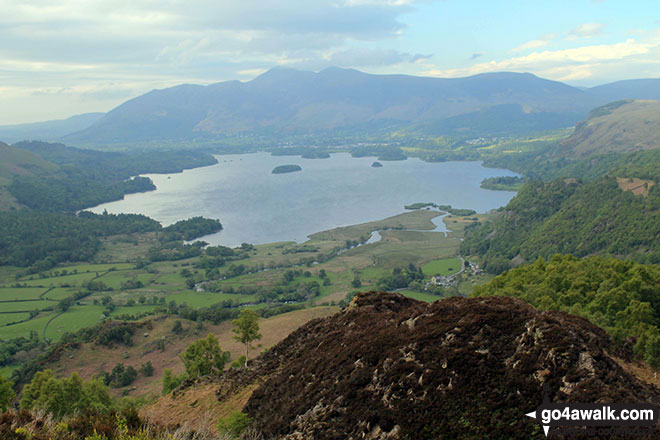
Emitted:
pixel 48 130
pixel 503 120
pixel 628 89
pixel 285 101
pixel 17 161
pixel 621 126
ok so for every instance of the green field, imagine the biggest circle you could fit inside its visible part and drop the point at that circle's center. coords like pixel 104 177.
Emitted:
pixel 23 329
pixel 205 299
pixel 75 318
pixel 7 318
pixel 25 306
pixel 14 293
pixel 75 280
pixel 133 310
pixel 443 267
pixel 59 293
pixel 420 296
pixel 435 252
pixel 114 279
pixel 81 268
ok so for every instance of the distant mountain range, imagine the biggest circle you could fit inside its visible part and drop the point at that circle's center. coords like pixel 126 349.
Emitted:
pixel 48 130
pixel 284 102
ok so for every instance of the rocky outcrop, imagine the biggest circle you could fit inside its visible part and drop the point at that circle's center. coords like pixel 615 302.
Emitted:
pixel 388 367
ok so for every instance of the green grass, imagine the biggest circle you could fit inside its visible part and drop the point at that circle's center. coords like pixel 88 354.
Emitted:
pixel 84 268
pixel 8 274
pixel 205 299
pixel 170 278
pixel 60 293
pixel 8 370
pixel 400 248
pixel 114 279
pixel 420 296
pixel 7 318
pixel 14 293
pixel 24 328
pixel 408 220
pixel 70 280
pixel 133 310
pixel 374 273
pixel 443 267
pixel 75 318
pixel 26 306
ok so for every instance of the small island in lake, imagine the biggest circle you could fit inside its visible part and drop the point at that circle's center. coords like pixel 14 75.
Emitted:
pixel 286 169
pixel 376 165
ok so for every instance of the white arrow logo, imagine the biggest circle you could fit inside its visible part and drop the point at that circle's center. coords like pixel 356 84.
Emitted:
pixel 546 428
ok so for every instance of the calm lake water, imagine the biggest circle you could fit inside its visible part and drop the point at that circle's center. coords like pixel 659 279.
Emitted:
pixel 257 207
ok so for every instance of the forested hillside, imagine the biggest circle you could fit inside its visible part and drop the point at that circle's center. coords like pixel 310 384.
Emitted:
pixel 622 297
pixel 44 239
pixel 87 178
pixel 55 180
pixel 571 217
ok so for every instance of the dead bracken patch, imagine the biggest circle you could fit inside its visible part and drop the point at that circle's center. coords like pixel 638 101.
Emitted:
pixel 634 185
pixel 389 367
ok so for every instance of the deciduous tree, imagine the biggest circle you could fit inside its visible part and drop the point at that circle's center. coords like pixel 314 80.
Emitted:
pixel 247 330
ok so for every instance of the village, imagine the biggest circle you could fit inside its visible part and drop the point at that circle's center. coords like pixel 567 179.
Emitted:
pixel 467 269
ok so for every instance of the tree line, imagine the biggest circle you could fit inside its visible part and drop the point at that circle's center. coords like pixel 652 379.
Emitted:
pixel 622 297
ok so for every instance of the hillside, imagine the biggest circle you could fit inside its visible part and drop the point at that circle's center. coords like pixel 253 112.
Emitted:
pixel 648 88
pixel 285 101
pixel 621 126
pixel 438 370
pixel 570 217
pixel 87 178
pixel 622 297
pixel 18 162
pixel 47 130
pixel 89 359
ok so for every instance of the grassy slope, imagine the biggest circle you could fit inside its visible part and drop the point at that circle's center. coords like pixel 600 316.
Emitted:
pixel 623 126
pixel 16 161
pixel 89 359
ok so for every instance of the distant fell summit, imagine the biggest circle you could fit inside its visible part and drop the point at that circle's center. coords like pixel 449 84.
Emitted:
pixel 285 101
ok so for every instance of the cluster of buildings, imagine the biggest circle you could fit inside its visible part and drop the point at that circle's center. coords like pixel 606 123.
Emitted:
pixel 450 280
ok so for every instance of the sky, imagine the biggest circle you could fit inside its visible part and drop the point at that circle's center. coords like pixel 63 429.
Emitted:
pixel 59 58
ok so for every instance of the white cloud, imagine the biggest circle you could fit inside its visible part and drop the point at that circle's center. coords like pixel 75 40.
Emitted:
pixel 153 43
pixel 564 65
pixel 361 57
pixel 586 30
pixel 535 44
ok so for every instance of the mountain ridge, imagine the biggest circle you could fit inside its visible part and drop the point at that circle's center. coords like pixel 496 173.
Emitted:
pixel 48 130
pixel 286 101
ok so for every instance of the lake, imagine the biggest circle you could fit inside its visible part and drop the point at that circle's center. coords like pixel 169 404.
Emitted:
pixel 258 207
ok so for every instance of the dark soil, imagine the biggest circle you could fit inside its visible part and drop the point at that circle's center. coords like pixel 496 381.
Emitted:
pixel 388 367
